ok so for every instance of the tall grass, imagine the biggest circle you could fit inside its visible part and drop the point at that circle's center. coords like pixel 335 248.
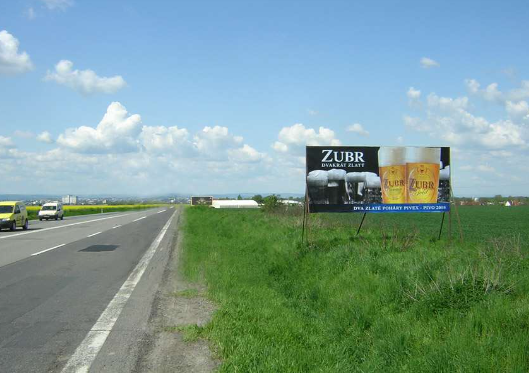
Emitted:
pixel 391 300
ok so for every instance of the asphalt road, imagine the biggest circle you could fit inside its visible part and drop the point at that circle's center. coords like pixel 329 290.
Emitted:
pixel 63 281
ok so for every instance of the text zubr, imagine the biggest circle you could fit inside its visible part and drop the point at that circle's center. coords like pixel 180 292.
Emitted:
pixel 339 157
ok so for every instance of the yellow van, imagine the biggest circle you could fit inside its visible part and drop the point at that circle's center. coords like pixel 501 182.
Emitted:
pixel 12 215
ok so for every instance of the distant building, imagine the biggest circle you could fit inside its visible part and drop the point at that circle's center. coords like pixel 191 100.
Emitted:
pixel 235 204
pixel 69 200
pixel 290 202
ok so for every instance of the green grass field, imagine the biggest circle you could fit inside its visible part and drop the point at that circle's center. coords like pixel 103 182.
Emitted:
pixel 391 300
pixel 93 209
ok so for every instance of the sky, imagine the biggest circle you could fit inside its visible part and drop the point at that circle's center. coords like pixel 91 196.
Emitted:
pixel 210 97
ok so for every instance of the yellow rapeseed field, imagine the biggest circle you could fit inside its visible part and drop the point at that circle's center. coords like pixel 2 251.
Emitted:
pixel 104 207
pixel 92 209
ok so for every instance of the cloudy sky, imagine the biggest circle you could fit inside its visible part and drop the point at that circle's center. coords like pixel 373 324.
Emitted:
pixel 149 97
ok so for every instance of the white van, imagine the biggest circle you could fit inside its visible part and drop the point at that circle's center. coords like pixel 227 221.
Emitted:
pixel 52 210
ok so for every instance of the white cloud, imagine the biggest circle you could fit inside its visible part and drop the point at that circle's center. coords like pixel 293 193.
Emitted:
pixel 293 139
pixel 116 133
pixel 6 142
pixel 11 61
pixel 45 137
pixel 58 4
pixel 119 132
pixel 415 123
pixel 312 113
pixel 517 110
pixel 31 14
pixel 449 120
pixel 212 141
pixel 413 94
pixel 492 93
pixel 447 103
pixel 427 63
pixel 280 147
pixel 357 128
pixel 7 150
pixel 246 154
pixel 84 81
pixel 519 93
pixel 502 134
pixel 161 139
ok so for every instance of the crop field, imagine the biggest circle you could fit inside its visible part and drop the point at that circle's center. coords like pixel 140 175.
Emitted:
pixel 393 299
pixel 91 209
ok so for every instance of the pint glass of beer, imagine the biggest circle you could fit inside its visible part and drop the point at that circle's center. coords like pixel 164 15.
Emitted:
pixel 336 186
pixel 422 170
pixel 392 170
pixel 317 185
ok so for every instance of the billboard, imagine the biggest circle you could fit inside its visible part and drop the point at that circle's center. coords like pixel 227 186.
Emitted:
pixel 201 201
pixel 378 179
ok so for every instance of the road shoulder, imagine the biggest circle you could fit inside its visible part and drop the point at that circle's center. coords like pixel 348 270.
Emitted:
pixel 178 304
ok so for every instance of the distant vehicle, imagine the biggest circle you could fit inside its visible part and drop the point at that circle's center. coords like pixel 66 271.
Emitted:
pixel 13 214
pixel 52 210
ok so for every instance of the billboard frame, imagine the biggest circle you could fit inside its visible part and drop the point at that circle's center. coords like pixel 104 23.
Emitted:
pixel 451 204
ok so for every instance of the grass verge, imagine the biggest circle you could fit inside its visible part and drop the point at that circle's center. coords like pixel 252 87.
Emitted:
pixel 391 300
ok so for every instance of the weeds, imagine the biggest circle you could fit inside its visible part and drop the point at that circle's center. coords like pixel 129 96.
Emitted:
pixel 190 333
pixel 389 300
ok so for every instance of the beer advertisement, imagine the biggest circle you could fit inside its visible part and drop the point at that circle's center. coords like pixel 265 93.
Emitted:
pixel 378 179
pixel 201 201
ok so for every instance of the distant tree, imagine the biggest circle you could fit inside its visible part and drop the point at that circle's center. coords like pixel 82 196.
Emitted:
pixel 258 198
pixel 271 203
pixel 498 198
pixel 239 197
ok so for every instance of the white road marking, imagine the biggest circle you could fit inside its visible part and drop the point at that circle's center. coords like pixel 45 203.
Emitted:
pixel 143 217
pixel 117 226
pixel 86 353
pixel 62 226
pixel 51 248
pixel 93 234
pixel 159 212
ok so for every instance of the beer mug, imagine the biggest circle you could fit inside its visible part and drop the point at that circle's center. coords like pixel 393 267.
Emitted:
pixel 372 192
pixel 422 172
pixel 354 183
pixel 392 171
pixel 336 186
pixel 317 185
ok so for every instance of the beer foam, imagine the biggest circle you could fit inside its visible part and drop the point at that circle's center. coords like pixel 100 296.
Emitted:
pixel 391 156
pixel 423 155
pixel 317 178
pixel 336 174
pixel 372 180
pixel 355 177
pixel 444 174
